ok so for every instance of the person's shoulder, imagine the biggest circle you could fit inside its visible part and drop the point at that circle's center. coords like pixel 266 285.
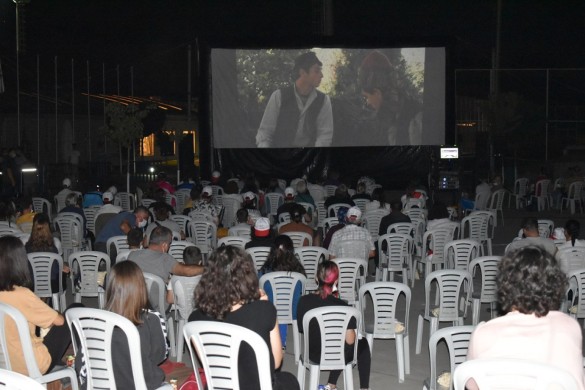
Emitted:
pixel 558 318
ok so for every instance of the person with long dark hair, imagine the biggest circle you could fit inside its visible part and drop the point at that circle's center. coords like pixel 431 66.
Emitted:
pixel 326 295
pixel 229 292
pixel 531 287
pixel 15 284
pixel 572 231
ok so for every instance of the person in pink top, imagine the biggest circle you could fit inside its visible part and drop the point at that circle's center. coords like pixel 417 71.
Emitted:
pixel 531 287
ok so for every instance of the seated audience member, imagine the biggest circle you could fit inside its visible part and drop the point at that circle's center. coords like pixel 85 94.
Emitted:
pixel 274 186
pixel 341 213
pixel 201 202
pixel 126 295
pixel 7 212
pixel 572 231
pixel 282 257
pixel 352 231
pixel 532 238
pixel 108 206
pixel 531 287
pixel 303 195
pixel 466 202
pixel 135 238
pixel 24 213
pixel 15 284
pixel 65 190
pixel 161 218
pixel 250 204
pixel 326 295
pixel 41 240
pixel 261 234
pixel 163 183
pixel 120 225
pixel 297 212
pixel 438 214
pixel 229 292
pixel 361 192
pixel 160 201
pixel 395 216
pixel 243 220
pixel 289 204
pixel 191 256
pixel 72 205
pixel 378 201
pixel 341 196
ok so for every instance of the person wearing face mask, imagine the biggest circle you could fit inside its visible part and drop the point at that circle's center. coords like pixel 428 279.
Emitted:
pixel 156 260
pixel 120 225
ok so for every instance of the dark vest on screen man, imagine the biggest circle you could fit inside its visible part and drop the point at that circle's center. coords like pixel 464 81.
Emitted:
pixel 288 119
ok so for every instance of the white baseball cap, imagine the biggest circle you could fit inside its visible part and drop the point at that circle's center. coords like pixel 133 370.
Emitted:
pixel 108 196
pixel 249 195
pixel 354 214
pixel 67 182
pixel 207 191
pixel 289 192
pixel 262 227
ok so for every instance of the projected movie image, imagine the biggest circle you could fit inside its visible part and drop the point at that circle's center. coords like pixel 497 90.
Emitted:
pixel 299 98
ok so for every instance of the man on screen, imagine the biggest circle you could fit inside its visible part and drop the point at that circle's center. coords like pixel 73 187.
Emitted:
pixel 299 115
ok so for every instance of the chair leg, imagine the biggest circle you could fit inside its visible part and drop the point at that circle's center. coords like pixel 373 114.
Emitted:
pixel 370 340
pixel 406 354
pixel 400 357
pixel 296 341
pixel 301 375
pixel 348 377
pixel 475 315
pixel 179 340
pixel 419 333
pixel 314 379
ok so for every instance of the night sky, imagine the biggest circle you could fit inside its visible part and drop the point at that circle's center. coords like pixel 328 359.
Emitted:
pixel 153 36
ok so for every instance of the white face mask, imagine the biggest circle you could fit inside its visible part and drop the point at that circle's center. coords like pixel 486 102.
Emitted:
pixel 142 223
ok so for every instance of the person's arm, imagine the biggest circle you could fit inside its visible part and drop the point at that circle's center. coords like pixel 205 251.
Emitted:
pixel 268 123
pixel 59 320
pixel 350 336
pixel 125 226
pixel 276 345
pixel 325 125
pixel 181 269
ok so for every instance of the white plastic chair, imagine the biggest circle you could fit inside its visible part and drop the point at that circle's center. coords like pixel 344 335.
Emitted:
pixel 334 208
pixel 42 205
pixel 395 254
pixel 402 228
pixel 177 248
pixel 317 191
pixel 95 329
pixel 333 324
pixel 497 203
pixel 120 243
pixel 512 374
pixel 361 203
pixel 299 238
pixel 42 264
pixel 371 221
pixel 328 223
pixel 321 211
pixel 259 255
pixel 217 346
pixel 476 226
pixel 352 275
pixel 123 255
pixel 11 380
pixel 125 200
pixel 230 208
pixel 183 291
pixel 385 325
pixel 577 287
pixel 146 202
pixel 236 241
pixel 450 286
pixel 70 226
pixel 159 303
pixel 573 197
pixel 90 213
pixel 86 263
pixel 181 220
pixel 310 257
pixel 546 227
pixel 520 192
pixel 542 193
pixel 459 253
pixel 329 190
pixel 457 340
pixel 571 259
pixel 273 201
pixel 488 267
pixel 417 213
pixel 59 200
pixel 203 234
pixel 183 195
pixel 283 285
pixel 434 241
pixel 240 231
pixel 22 326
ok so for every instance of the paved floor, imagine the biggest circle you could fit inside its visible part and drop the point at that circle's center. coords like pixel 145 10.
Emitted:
pixel 384 368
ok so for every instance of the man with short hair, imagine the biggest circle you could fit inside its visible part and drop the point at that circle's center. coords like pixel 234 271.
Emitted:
pixel 352 231
pixel 532 238
pixel 161 218
pixel 298 115
pixel 120 225
pixel 395 216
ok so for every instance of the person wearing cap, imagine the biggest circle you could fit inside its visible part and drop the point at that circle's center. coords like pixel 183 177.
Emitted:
pixel 250 205
pixel 298 115
pixel 243 220
pixel 261 234
pixel 352 231
pixel 394 102
pixel 297 212
pixel 216 178
pixel 289 204
pixel 61 195
pixel 108 206
pixel 202 203
pixel 341 213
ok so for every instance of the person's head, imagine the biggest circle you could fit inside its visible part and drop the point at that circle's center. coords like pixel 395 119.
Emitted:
pixel 378 194
pixel 14 269
pixel 231 187
pixel 192 256
pixel 361 188
pixel 40 234
pixel 261 227
pixel 66 183
pixel 572 230
pixel 160 195
pixel 308 69
pixel 302 187
pixel 161 212
pixel 326 277
pixel 283 243
pixel 72 200
pixel 242 215
pixel 160 239
pixel 396 205
pixel 342 213
pixel 126 292
pixel 249 200
pixel 282 257
pixel 195 192
pixel 289 194
pixel 107 197
pixel 230 278
pixel 24 205
pixel 141 214
pixel 353 216
pixel 530 227
pixel 530 281
pixel 207 193
pixel 135 237
pixel 375 80
pixel 215 177
pixel 341 191
pixel 297 212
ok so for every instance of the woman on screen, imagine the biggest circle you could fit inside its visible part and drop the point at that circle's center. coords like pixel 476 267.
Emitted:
pixel 398 116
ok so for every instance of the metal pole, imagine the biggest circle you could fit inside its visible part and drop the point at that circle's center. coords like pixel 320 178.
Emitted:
pixel 72 100
pixel 133 142
pixel 38 112
pixel 56 116
pixel 88 115
pixel 118 78
pixel 104 100
pixel 17 73
pixel 546 113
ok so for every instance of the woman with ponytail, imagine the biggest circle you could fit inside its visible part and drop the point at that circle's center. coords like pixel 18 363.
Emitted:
pixel 326 295
pixel 572 230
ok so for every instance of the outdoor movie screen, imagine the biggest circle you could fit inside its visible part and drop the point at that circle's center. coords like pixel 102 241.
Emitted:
pixel 327 97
